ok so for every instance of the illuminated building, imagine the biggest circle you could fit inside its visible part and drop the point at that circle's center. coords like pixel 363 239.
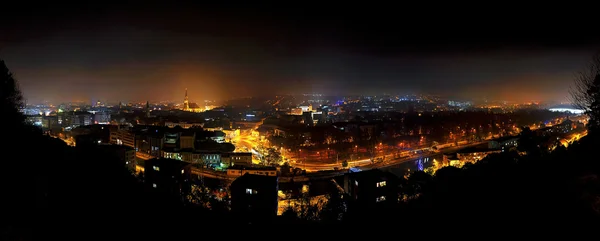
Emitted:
pixel 191 107
pixel 236 159
pixel 183 125
pixel 566 108
pixel 296 111
pixel 504 142
pixel 238 171
pixel 35 120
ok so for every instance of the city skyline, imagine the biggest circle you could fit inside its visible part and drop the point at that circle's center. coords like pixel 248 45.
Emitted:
pixel 156 51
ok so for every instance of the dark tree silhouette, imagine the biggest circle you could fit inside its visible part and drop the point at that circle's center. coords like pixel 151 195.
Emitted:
pixel 585 92
pixel 334 209
pixel 528 141
pixel 11 99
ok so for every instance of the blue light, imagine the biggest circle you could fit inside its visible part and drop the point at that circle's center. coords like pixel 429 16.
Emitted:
pixel 420 165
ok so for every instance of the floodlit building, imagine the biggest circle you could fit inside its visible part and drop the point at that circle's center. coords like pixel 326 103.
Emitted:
pixel 190 106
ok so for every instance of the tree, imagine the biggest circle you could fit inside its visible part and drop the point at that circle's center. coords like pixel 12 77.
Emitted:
pixel 227 147
pixel 345 164
pixel 334 209
pixel 585 92
pixel 272 157
pixel 528 141
pixel 11 99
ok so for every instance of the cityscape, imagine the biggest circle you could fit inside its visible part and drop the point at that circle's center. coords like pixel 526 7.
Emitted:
pixel 240 123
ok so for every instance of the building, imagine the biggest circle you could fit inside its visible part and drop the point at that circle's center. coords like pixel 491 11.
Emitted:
pixel 91 135
pixel 238 171
pixel 184 125
pixel 102 118
pixel 236 159
pixel 35 120
pixel 187 140
pixel 168 175
pixel 81 118
pixel 371 187
pixel 254 197
pixel 122 135
pixel 504 142
pixel 125 154
pixel 210 158
pixel 191 107
pixel 49 122
pixel 149 141
pixel 451 159
pixel 475 154
pixel 216 136
pixel 171 140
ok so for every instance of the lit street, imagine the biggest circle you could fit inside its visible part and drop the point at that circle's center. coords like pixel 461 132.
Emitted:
pixel 247 143
pixel 389 160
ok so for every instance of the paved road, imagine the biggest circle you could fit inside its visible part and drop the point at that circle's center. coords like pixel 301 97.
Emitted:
pixel 414 158
pixel 390 160
pixel 247 143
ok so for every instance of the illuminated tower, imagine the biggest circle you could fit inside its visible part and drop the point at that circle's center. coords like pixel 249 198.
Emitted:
pixel 186 103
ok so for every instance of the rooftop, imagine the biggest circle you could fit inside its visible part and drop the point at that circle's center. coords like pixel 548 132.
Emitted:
pixel 114 147
pixel 252 181
pixel 167 163
pixel 505 138
pixel 478 148
pixel 253 168
pixel 374 174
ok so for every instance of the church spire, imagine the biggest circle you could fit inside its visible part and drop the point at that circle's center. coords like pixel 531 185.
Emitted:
pixel 186 103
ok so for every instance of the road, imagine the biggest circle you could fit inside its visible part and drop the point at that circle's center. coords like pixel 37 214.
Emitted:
pixel 414 158
pixel 247 143
pixel 389 160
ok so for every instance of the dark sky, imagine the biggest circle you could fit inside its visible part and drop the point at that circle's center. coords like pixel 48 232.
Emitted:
pixel 135 52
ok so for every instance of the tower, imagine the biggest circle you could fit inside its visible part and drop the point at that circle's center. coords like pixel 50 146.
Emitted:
pixel 147 109
pixel 186 103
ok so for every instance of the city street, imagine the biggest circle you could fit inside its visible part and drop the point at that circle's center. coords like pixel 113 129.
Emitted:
pixel 247 143
pixel 389 160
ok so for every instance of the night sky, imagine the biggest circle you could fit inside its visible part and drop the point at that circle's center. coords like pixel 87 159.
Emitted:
pixel 153 52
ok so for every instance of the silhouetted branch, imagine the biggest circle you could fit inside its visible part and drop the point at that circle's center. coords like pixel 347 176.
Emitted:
pixel 581 91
